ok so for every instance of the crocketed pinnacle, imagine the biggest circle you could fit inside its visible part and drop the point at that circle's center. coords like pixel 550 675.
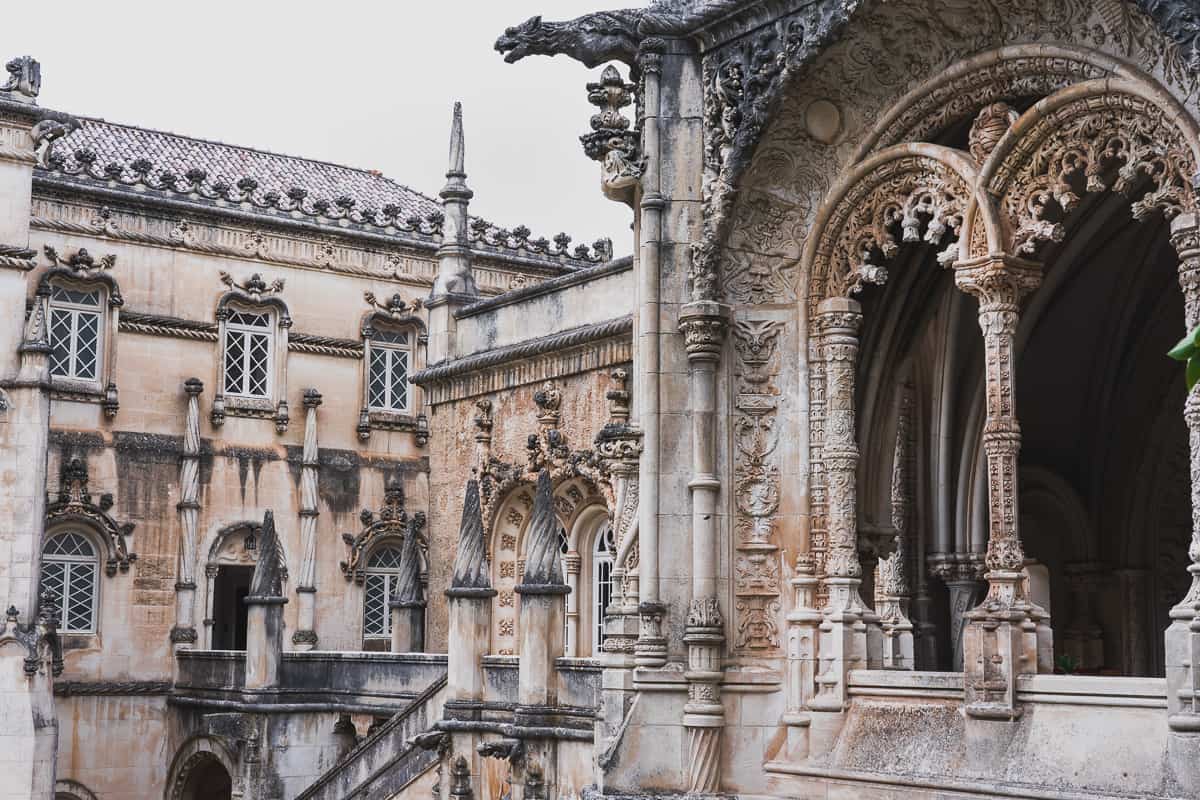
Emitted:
pixel 267 580
pixel 543 567
pixel 408 582
pixel 470 562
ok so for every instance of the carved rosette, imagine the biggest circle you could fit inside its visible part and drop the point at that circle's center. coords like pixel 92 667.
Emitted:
pixel 756 485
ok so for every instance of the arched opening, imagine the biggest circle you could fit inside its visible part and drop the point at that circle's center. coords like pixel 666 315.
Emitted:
pixel 379 584
pixel 232 556
pixel 207 780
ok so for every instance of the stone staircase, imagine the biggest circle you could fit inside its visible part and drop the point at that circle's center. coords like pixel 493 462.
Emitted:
pixel 384 763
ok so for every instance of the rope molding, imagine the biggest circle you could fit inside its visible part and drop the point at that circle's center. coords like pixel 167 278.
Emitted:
pixel 174 327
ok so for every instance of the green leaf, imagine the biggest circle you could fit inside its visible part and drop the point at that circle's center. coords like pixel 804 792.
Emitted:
pixel 1193 372
pixel 1187 346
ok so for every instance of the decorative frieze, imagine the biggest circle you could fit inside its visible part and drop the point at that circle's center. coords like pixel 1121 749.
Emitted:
pixel 756 484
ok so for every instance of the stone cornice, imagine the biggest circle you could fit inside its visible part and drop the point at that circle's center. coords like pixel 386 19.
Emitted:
pixel 581 349
pixel 50 183
pixel 391 261
pixel 524 293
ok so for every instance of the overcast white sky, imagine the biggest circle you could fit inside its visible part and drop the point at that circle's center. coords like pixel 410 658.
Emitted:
pixel 367 84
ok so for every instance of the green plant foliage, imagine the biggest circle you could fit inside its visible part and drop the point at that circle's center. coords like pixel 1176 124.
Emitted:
pixel 1188 350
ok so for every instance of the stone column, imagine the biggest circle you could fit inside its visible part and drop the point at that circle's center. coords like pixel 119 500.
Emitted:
pixel 183 635
pixel 264 613
pixel 470 603
pixel 704 325
pixel 1182 642
pixel 894 588
pixel 844 628
pixel 651 648
pixel 28 727
pixel 543 591
pixel 454 286
pixel 574 564
pixel 305 637
pixel 407 603
pixel 1000 640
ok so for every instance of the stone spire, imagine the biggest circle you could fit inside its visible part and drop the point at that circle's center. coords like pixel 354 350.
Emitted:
pixel 408 582
pixel 267 580
pixel 543 565
pixel 471 572
pixel 454 256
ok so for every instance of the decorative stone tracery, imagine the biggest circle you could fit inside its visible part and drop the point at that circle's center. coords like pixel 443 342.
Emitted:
pixel 392 521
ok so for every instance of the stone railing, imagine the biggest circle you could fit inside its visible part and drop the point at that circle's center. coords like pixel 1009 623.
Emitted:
pixel 386 761
pixel 353 682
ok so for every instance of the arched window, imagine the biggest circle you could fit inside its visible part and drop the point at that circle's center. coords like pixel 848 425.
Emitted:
pixel 69 575
pixel 604 553
pixel 383 568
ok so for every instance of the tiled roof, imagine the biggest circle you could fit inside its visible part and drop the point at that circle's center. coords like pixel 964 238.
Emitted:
pixel 159 164
pixel 113 143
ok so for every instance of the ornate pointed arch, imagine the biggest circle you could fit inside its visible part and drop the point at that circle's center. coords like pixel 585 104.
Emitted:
pixel 907 193
pixel 1130 137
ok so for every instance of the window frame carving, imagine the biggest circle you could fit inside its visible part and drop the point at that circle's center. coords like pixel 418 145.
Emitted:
pixel 73 506
pixel 398 316
pixel 253 296
pixel 82 273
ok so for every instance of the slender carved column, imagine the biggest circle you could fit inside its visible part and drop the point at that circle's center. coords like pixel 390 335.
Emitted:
pixel 542 590
pixel 844 627
pixel 183 635
pixel 1000 640
pixel 651 647
pixel 1183 635
pixel 305 637
pixel 894 588
pixel 704 324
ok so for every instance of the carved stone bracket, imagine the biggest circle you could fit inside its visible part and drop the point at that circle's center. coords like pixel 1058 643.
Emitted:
pixel 611 142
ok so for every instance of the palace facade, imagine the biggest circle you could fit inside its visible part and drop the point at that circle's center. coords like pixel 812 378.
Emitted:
pixel 867 475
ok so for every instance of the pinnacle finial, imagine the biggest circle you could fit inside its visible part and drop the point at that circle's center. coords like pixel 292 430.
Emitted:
pixel 471 574
pixel 458 145
pixel 543 565
pixel 267 580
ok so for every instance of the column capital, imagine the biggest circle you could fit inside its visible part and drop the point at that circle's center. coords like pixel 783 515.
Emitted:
pixel 999 282
pixel 704 324
pixel 839 315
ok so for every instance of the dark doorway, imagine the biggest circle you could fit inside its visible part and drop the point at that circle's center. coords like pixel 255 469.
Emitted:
pixel 208 780
pixel 230 588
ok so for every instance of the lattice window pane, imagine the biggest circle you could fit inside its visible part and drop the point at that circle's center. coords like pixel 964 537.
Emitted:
pixel 377 381
pixel 54 580
pixel 249 319
pixel 69 575
pixel 376 616
pixel 399 380
pixel 391 337
pixel 60 342
pixel 385 558
pixel 257 366
pixel 602 583
pixel 87 344
pixel 62 294
pixel 70 544
pixel 81 589
pixel 235 356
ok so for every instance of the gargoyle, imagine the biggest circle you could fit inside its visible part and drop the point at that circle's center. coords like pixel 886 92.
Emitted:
pixel 591 39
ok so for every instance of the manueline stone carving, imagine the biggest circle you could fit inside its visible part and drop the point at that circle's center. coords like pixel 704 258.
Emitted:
pixel 591 39
pixel 267 580
pixel 73 503
pixel 471 570
pixel 756 484
pixel 24 78
pixel 611 142
pixel 543 565
pixel 393 520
